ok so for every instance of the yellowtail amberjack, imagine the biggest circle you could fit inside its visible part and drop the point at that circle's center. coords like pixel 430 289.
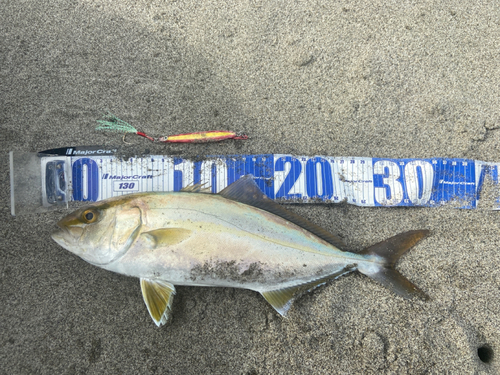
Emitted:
pixel 238 238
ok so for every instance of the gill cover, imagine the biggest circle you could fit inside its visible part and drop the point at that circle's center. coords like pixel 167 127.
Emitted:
pixel 128 223
pixel 100 234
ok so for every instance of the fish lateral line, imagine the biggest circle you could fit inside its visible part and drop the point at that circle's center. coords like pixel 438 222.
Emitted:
pixel 330 250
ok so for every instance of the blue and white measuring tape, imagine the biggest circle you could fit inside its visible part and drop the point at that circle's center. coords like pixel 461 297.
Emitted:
pixel 93 174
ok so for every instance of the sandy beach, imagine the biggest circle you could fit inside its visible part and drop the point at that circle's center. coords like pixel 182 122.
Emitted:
pixel 411 79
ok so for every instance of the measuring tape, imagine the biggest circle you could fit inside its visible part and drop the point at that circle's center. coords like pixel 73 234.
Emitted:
pixel 94 174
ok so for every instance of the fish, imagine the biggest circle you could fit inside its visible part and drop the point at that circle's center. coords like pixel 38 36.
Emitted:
pixel 237 238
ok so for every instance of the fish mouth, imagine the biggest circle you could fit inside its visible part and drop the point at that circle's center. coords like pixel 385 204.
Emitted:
pixel 58 237
pixel 66 236
pixel 61 237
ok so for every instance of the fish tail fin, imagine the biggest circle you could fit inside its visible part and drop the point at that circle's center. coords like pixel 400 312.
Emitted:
pixel 388 252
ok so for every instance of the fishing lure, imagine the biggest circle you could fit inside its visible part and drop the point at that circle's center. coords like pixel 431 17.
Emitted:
pixel 113 123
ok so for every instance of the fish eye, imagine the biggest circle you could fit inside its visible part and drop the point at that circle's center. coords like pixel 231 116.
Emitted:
pixel 89 216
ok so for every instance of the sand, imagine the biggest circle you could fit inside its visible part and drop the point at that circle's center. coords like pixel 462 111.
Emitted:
pixel 356 78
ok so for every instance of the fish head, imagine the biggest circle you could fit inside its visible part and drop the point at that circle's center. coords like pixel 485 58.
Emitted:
pixel 100 233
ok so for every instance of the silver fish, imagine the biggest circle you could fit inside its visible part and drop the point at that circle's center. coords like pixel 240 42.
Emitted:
pixel 238 238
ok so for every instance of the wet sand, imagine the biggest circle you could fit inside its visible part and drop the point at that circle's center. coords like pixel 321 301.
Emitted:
pixel 358 78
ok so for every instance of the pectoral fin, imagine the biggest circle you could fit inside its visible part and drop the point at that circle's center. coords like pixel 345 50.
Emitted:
pixel 158 296
pixel 165 236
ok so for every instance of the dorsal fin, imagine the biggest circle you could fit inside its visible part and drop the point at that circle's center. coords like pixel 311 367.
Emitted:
pixel 245 190
pixel 197 188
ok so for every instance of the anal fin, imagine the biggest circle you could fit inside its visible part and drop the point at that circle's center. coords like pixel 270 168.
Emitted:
pixel 158 296
pixel 281 299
